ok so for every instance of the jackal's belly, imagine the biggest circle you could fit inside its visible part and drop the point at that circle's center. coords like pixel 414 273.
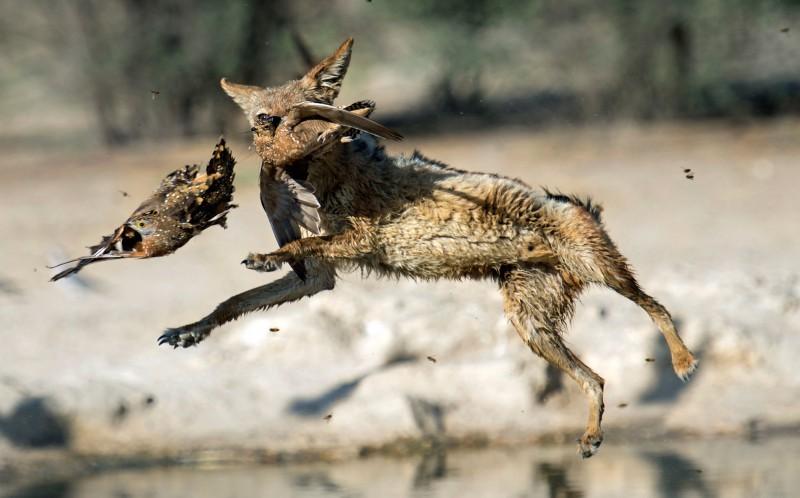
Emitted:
pixel 436 241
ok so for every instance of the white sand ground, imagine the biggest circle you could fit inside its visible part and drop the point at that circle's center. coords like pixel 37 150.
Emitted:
pixel 720 251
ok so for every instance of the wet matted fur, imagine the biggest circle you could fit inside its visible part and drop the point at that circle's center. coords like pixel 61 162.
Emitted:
pixel 411 216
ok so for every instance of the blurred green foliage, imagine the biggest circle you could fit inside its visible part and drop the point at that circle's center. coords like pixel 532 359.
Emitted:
pixel 644 59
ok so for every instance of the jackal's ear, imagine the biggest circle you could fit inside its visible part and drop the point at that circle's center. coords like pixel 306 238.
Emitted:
pixel 323 81
pixel 244 95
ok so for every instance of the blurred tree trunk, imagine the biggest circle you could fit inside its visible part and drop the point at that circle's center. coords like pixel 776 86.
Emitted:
pixel 656 60
pixel 458 92
pixel 101 89
pixel 265 19
pixel 151 66
pixel 302 49
pixel 458 89
pixel 681 41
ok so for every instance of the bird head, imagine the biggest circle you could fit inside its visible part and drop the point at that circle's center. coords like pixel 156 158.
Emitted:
pixel 143 225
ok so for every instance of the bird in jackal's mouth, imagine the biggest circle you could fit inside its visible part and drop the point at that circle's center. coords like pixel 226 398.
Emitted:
pixel 309 128
pixel 185 204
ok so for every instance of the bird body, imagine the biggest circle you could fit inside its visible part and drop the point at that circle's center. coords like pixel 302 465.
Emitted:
pixel 184 204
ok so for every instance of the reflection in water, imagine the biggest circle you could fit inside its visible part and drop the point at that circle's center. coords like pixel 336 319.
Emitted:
pixel 678 474
pixel 698 469
pixel 317 480
pixel 432 467
pixel 56 489
pixel 555 476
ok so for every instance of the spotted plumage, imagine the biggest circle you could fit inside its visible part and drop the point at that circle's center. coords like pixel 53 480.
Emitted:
pixel 184 204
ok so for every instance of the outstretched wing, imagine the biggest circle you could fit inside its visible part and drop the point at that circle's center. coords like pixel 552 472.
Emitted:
pixel 290 205
pixel 345 117
pixel 208 199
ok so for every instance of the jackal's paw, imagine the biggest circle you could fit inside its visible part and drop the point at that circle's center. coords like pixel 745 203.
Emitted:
pixel 261 262
pixel 588 444
pixel 684 365
pixel 188 335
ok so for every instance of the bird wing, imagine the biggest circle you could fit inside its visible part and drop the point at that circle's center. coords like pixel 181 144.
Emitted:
pixel 178 179
pixel 207 200
pixel 290 205
pixel 313 110
pixel 189 196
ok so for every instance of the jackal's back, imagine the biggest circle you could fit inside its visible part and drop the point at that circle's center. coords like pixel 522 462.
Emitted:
pixel 425 219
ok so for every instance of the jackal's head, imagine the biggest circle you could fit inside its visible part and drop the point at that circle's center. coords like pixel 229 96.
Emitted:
pixel 267 106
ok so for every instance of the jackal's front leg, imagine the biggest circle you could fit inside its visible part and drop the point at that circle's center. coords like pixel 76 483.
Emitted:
pixel 289 288
pixel 347 245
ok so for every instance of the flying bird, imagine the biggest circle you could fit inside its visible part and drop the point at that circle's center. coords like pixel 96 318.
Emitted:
pixel 185 204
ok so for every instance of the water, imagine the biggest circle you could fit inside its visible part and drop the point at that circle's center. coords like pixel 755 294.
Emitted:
pixel 723 468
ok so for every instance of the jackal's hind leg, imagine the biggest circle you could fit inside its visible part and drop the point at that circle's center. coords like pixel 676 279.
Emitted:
pixel 539 302
pixel 594 258
pixel 618 276
pixel 288 288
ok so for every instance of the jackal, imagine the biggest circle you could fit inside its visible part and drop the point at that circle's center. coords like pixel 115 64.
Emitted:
pixel 416 217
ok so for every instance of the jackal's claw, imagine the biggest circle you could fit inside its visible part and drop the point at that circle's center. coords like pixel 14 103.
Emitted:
pixel 261 262
pixel 184 337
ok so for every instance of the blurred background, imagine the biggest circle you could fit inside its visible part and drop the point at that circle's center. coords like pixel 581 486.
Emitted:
pixel 122 71
pixel 680 118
